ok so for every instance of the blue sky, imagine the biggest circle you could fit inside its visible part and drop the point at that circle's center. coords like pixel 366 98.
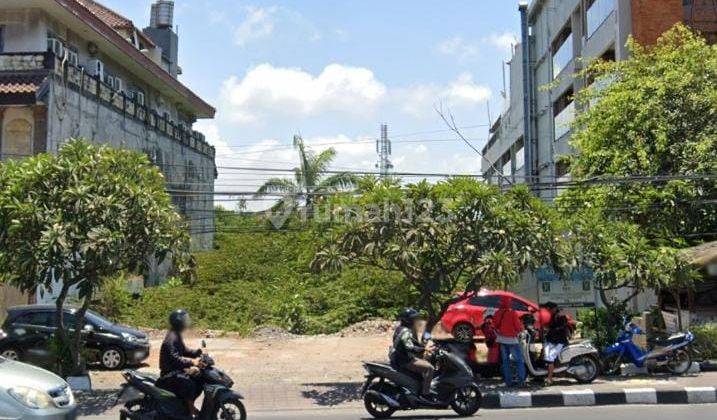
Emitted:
pixel 334 70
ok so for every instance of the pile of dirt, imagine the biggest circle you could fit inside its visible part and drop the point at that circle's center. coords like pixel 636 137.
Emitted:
pixel 371 327
pixel 271 332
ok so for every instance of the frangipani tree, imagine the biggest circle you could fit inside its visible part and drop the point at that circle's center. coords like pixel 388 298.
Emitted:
pixel 81 216
pixel 445 238
pixel 624 262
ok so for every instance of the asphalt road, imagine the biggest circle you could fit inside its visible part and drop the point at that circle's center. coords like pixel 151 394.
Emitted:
pixel 622 412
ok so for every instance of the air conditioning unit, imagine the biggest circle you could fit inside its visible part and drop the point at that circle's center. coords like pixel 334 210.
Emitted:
pixel 96 68
pixel 72 57
pixel 118 85
pixel 56 46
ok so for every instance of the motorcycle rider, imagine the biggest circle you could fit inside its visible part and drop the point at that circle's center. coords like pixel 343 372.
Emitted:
pixel 179 365
pixel 408 349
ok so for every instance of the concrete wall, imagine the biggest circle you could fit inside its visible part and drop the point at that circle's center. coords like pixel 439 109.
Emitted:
pixel 73 115
pixel 9 297
pixel 25 30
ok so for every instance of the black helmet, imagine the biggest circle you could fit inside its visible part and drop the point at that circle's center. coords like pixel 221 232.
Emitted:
pixel 408 315
pixel 179 320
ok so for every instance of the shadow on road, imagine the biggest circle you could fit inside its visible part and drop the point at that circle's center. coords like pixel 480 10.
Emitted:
pixel 96 402
pixel 332 393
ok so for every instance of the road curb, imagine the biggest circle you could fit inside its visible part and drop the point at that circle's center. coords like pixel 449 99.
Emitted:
pixel 588 397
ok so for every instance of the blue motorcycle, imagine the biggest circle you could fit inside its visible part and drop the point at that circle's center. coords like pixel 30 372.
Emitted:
pixel 672 352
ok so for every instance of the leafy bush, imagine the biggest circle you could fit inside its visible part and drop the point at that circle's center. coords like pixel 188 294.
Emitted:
pixel 256 277
pixel 602 326
pixel 113 300
pixel 706 341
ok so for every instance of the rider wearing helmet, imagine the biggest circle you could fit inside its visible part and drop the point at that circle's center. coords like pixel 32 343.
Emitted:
pixel 179 365
pixel 408 350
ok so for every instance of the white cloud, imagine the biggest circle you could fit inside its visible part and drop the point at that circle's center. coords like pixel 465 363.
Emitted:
pixel 458 47
pixel 267 90
pixel 259 23
pixel 503 41
pixel 419 100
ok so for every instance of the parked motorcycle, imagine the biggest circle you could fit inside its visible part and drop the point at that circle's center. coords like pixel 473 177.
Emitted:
pixel 672 352
pixel 389 389
pixel 580 361
pixel 146 401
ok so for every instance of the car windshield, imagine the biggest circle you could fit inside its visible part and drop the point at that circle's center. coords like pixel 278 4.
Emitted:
pixel 98 320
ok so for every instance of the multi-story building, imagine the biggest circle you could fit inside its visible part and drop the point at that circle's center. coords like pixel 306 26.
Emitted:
pixel 562 35
pixel 533 130
pixel 75 68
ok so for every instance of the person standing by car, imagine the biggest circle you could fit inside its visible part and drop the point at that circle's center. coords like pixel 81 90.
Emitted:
pixel 509 326
pixel 556 339
pixel 408 349
pixel 491 337
pixel 179 366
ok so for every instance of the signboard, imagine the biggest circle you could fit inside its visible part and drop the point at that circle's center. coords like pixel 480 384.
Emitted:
pixel 575 292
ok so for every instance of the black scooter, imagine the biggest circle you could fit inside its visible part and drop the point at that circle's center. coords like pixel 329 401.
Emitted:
pixel 389 389
pixel 146 401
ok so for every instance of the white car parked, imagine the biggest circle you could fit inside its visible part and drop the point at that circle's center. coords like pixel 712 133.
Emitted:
pixel 30 393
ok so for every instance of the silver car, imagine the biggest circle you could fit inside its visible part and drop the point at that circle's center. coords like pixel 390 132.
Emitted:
pixel 29 393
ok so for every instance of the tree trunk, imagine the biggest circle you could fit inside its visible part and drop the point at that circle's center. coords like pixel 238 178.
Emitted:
pixel 60 327
pixel 76 348
pixel 678 302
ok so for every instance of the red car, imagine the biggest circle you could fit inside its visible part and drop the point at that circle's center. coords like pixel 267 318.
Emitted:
pixel 464 318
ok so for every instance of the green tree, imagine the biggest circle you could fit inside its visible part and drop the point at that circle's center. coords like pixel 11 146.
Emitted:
pixel 622 259
pixel 82 216
pixel 453 236
pixel 651 120
pixel 310 182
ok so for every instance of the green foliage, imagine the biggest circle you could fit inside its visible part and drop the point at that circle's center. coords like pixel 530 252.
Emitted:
pixel 621 257
pixel 604 325
pixel 442 238
pixel 258 277
pixel 309 183
pixel 81 216
pixel 652 115
pixel 705 341
pixel 113 299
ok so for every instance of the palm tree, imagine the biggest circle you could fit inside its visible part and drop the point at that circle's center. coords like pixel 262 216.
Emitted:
pixel 309 181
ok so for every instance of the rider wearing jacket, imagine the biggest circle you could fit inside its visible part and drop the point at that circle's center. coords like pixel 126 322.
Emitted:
pixel 408 350
pixel 178 364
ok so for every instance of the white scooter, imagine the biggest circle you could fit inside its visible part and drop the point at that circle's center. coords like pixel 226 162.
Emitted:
pixel 581 361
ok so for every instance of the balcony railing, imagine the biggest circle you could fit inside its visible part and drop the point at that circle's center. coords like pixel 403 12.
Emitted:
pixel 564 120
pixel 94 87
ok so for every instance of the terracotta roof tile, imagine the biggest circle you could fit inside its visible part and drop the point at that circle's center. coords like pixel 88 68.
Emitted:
pixel 20 84
pixel 109 16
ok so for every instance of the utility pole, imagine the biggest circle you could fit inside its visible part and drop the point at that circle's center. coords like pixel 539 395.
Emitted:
pixel 383 149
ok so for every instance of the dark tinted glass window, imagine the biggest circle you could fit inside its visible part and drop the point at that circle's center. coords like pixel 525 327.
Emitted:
pixel 41 319
pixel 519 305
pixel 489 301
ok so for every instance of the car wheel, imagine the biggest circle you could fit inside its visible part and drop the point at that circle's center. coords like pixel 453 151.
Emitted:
pixel 11 354
pixel 464 332
pixel 112 358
